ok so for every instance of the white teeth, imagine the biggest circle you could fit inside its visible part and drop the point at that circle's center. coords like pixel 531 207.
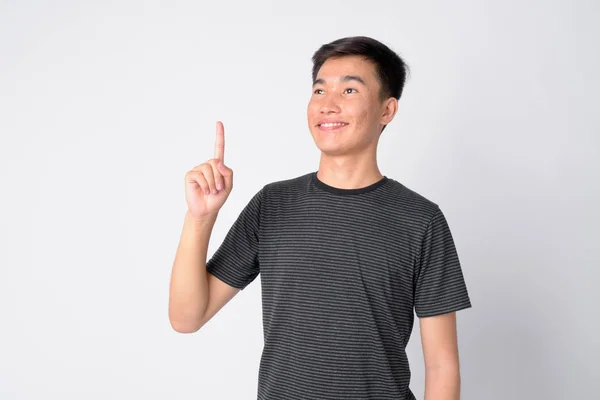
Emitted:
pixel 330 124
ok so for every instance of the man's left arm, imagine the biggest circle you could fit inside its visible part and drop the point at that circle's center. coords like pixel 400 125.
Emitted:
pixel 440 352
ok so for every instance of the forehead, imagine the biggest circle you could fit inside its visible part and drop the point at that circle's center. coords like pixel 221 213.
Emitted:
pixel 335 68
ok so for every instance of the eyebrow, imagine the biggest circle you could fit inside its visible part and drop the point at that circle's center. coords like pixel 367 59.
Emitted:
pixel 345 78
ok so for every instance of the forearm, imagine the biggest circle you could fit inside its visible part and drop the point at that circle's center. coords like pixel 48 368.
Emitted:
pixel 188 295
pixel 442 383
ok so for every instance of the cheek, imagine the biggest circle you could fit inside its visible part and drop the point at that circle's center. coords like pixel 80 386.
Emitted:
pixel 312 109
pixel 312 115
pixel 360 113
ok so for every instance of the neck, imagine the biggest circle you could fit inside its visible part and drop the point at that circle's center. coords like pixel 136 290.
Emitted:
pixel 348 172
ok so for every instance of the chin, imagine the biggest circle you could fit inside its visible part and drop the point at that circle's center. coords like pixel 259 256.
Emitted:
pixel 332 150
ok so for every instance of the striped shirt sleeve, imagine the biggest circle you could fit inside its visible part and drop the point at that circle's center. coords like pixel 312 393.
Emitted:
pixel 235 262
pixel 439 283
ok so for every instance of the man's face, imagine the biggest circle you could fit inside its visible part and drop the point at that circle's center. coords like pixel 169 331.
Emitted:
pixel 345 110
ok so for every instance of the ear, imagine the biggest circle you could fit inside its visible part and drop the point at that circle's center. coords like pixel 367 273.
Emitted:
pixel 390 107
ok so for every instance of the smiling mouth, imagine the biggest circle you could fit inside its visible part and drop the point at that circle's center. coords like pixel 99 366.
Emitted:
pixel 332 125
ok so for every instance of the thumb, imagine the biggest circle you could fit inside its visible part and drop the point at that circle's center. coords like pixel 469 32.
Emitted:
pixel 226 172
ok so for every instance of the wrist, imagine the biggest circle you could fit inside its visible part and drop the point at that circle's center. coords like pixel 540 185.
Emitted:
pixel 201 221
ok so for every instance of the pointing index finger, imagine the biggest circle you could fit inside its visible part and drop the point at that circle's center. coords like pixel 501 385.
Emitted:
pixel 220 142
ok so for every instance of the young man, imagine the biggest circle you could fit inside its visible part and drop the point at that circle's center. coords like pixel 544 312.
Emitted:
pixel 345 254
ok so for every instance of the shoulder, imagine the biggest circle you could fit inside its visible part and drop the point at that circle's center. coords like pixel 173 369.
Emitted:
pixel 412 204
pixel 289 185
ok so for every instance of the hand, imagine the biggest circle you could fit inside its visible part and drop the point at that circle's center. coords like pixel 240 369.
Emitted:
pixel 208 185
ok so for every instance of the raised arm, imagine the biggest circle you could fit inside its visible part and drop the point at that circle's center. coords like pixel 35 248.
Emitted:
pixel 195 296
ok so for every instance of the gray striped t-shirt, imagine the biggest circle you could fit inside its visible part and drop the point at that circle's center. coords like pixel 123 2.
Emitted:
pixel 343 271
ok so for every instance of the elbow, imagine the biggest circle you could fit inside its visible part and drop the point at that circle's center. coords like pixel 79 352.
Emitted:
pixel 185 327
pixel 186 324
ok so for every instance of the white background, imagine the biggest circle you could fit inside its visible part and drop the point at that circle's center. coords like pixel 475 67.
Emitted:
pixel 105 105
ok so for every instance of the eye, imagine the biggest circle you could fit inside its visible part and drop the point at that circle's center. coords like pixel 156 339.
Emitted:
pixel 317 91
pixel 350 89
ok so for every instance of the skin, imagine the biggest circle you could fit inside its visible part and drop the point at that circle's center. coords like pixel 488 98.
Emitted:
pixel 347 89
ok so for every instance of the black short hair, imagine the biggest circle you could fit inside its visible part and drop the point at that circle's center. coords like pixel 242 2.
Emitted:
pixel 390 67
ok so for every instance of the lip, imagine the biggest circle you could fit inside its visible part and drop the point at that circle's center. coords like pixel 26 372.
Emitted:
pixel 329 128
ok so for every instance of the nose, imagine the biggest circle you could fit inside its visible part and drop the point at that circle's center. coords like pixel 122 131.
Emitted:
pixel 329 104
